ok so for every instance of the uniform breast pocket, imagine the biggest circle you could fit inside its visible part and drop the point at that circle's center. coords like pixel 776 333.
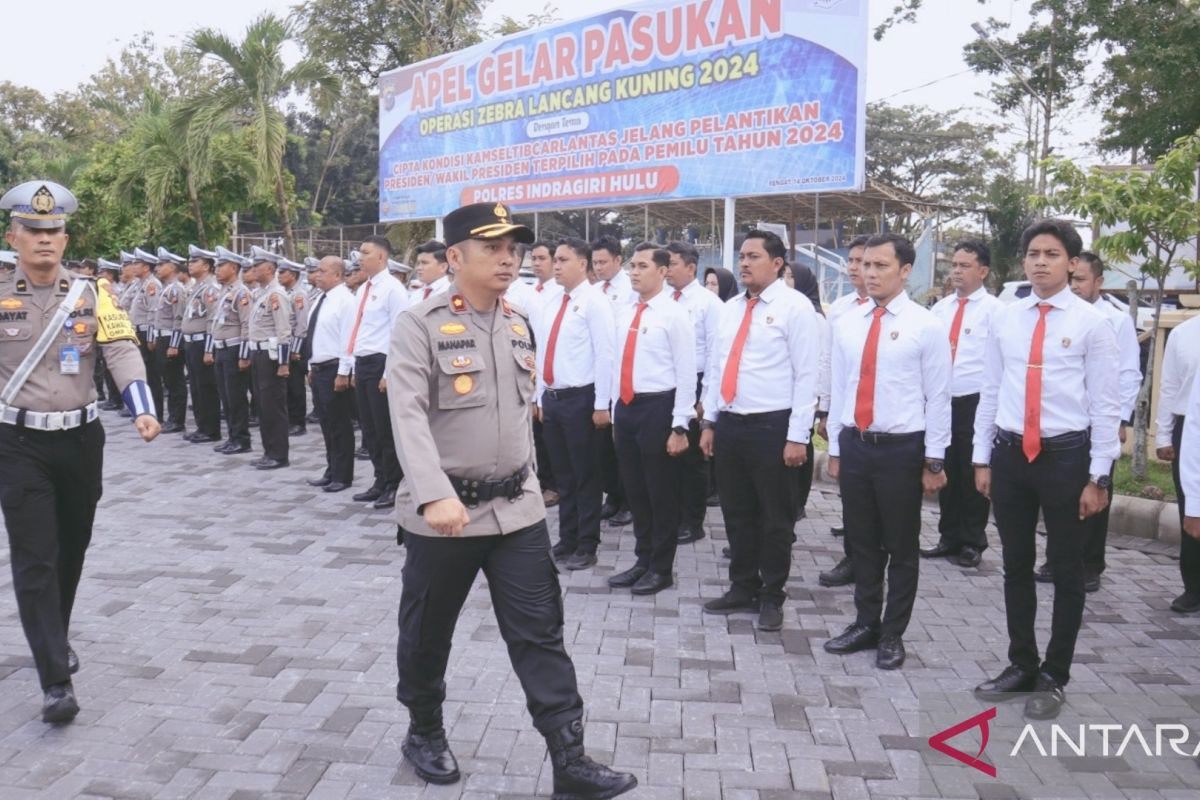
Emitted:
pixel 526 373
pixel 15 332
pixel 460 381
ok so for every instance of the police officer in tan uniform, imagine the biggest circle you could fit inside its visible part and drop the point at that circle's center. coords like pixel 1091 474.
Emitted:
pixel 460 380
pixel 50 434
pixel 166 321
pixel 224 350
pixel 143 303
pixel 198 310
pixel 268 351
pixel 297 294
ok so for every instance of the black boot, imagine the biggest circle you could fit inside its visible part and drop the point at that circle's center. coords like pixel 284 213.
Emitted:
pixel 427 750
pixel 577 777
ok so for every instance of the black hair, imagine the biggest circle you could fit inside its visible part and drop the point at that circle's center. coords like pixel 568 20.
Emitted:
pixel 433 248
pixel 645 246
pixel 1095 264
pixel 726 285
pixel 380 242
pixel 1058 228
pixel 858 241
pixel 610 243
pixel 662 257
pixel 549 244
pixel 771 243
pixel 687 252
pixel 581 248
pixel 982 253
pixel 903 247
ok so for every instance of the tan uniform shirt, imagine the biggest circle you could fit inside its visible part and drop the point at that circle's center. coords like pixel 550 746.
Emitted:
pixel 25 310
pixel 198 307
pixel 299 304
pixel 460 384
pixel 271 321
pixel 143 304
pixel 168 314
pixel 231 320
pixel 125 293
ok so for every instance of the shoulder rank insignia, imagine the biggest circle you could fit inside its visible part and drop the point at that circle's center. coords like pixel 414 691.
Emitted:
pixel 22 286
pixel 457 304
pixel 151 288
pixel 274 302
pixel 299 301
pixel 63 285
pixel 452 328
pixel 507 308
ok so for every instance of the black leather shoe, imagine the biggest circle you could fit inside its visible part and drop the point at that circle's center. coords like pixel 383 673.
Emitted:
pixel 969 556
pixel 940 550
pixel 1044 574
pixel 297 430
pixel 1091 581
pixel 203 438
pixel 840 575
pixel 386 499
pixel 608 509
pixel 562 551
pixel 1047 698
pixel 770 618
pixel 1013 681
pixel 430 757
pixel 713 501
pixel 856 637
pixel 334 486
pixel 580 561
pixel 362 454
pixel 233 448
pixel 621 518
pixel 730 603
pixel 59 704
pixel 725 552
pixel 652 583
pixel 318 482
pixel 369 496
pixel 890 654
pixel 1186 603
pixel 252 422
pixel 271 463
pixel 312 419
pixel 623 580
pixel 172 427
pixel 838 530
pixel 72 660
pixel 578 777
pixel 223 446
pixel 690 533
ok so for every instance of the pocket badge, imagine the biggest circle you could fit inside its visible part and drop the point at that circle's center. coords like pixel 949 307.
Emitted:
pixel 1066 342
pixel 463 384
pixel 895 335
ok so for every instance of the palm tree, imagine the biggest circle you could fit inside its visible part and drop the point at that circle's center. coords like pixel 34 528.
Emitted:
pixel 252 81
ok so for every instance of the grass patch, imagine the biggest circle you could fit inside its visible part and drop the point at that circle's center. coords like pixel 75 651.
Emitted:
pixel 1158 474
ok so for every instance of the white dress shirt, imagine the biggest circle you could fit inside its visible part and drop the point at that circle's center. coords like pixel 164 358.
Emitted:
pixel 1180 362
pixel 337 305
pixel 664 353
pixel 521 295
pixel 437 287
pixel 619 290
pixel 835 312
pixel 779 360
pixel 385 298
pixel 1129 353
pixel 912 373
pixel 1079 376
pixel 1189 455
pixel 972 337
pixel 703 309
pixel 583 351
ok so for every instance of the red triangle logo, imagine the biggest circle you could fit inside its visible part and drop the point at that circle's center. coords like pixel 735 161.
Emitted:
pixel 980 720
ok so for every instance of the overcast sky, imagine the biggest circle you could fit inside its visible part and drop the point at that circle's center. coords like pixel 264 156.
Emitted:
pixel 919 64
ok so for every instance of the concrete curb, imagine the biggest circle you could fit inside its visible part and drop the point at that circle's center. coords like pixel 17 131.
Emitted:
pixel 1130 516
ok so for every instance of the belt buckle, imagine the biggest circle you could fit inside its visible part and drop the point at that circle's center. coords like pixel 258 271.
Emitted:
pixel 56 420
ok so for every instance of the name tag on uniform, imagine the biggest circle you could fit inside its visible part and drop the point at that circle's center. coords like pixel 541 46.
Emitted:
pixel 68 360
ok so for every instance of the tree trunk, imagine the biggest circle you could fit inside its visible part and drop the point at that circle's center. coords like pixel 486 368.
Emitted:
pixel 285 214
pixel 1141 412
pixel 194 199
pixel 335 144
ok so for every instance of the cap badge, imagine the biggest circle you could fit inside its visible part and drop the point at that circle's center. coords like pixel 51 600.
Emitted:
pixel 463 384
pixel 460 361
pixel 42 201
pixel 501 212
pixel 453 327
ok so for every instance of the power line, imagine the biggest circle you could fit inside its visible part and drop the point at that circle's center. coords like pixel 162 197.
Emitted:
pixel 923 85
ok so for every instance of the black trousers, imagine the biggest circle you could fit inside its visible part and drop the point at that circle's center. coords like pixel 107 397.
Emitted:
pixel 964 511
pixel 544 472
pixel 758 501
pixel 174 386
pixel 376 420
pixel 881 511
pixel 297 396
pixel 272 405
pixel 153 376
pixel 202 381
pixel 693 469
pixel 1097 534
pixel 610 472
pixel 523 583
pixel 233 386
pixel 804 477
pixel 1052 484
pixel 1189 548
pixel 50 482
pixel 334 409
pixel 652 479
pixel 574 445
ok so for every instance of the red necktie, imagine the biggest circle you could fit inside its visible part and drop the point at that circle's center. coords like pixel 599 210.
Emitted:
pixel 606 285
pixel 864 400
pixel 1031 442
pixel 956 326
pixel 428 291
pixel 861 300
pixel 366 292
pixel 730 378
pixel 678 294
pixel 627 356
pixel 548 371
pixel 539 287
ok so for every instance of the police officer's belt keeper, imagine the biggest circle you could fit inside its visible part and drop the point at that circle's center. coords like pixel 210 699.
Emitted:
pixel 48 420
pixel 472 493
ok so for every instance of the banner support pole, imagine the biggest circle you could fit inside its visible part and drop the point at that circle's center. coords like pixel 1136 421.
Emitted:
pixel 438 230
pixel 727 244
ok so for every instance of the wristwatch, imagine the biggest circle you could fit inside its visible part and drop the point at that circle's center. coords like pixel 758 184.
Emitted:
pixel 1103 481
pixel 682 431
pixel 935 465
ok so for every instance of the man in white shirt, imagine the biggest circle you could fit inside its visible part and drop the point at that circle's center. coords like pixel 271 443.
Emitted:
pixel 760 395
pixel 368 335
pixel 613 282
pixel 1181 360
pixel 889 426
pixel 1189 465
pixel 574 374
pixel 655 380
pixel 1045 440
pixel 432 270
pixel 967 317
pixel 541 260
pixel 703 308
pixel 1087 281
pixel 329 368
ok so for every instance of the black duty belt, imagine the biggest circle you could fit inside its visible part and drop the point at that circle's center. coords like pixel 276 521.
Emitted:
pixel 570 391
pixel 1064 441
pixel 874 437
pixel 472 493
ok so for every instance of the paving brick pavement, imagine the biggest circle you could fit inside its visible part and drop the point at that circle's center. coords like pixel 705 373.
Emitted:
pixel 237 632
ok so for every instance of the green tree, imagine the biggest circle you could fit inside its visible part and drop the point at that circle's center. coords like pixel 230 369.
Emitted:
pixel 1009 212
pixel 252 82
pixel 1152 214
